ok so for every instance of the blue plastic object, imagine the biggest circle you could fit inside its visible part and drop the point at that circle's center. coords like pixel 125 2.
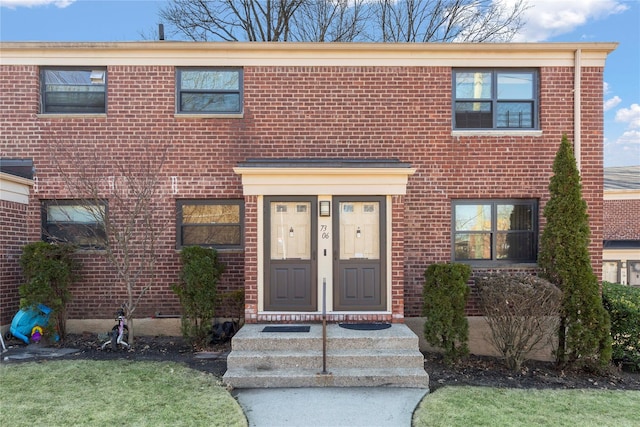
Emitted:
pixel 26 319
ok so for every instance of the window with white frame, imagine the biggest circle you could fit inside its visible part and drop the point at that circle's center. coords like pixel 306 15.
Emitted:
pixel 495 99
pixel 209 90
pixel 210 223
pixel 495 231
pixel 73 90
pixel 74 221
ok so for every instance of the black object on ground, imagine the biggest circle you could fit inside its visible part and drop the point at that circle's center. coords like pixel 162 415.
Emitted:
pixel 365 326
pixel 286 329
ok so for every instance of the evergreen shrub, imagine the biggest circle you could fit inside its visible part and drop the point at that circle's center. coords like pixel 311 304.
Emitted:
pixel 445 296
pixel 623 304
pixel 201 272
pixel 583 336
pixel 49 270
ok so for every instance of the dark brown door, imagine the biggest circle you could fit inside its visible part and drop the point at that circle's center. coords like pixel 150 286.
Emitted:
pixel 359 254
pixel 290 258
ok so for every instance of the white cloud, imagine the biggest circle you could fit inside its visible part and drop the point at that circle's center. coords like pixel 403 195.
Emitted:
pixel 612 102
pixel 630 137
pixel 12 4
pixel 629 115
pixel 548 18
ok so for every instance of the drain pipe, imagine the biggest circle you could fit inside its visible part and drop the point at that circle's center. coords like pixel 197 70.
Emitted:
pixel 577 108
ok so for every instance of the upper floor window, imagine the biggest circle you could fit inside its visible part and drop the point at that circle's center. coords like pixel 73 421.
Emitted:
pixel 209 91
pixel 74 221
pixel 73 90
pixel 495 231
pixel 495 99
pixel 211 223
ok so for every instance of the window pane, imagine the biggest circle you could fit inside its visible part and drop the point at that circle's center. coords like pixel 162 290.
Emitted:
pixel 210 80
pixel 210 224
pixel 78 224
pixel 74 102
pixel 515 85
pixel 472 246
pixel 473 218
pixel 75 213
pixel 474 115
pixel 515 115
pixel 515 217
pixel 210 235
pixel 471 85
pixel 210 214
pixel 68 77
pixel 74 91
pixel 209 102
pixel 515 246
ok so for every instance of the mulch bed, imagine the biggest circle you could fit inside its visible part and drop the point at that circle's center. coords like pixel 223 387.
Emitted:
pixel 475 370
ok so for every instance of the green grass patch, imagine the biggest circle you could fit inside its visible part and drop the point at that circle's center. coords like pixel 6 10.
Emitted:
pixel 84 392
pixel 483 406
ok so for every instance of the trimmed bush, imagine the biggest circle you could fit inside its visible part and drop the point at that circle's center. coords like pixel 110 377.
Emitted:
pixel 522 313
pixel 201 272
pixel 623 304
pixel 445 295
pixel 49 270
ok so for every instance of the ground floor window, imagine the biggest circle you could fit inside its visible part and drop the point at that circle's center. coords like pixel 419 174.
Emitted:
pixel 495 231
pixel 212 223
pixel 79 222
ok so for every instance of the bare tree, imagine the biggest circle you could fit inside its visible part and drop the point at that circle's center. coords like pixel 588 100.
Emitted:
pixel 345 20
pixel 231 20
pixel 120 200
pixel 331 21
pixel 448 20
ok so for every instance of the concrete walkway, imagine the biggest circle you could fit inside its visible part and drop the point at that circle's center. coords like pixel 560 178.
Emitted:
pixel 330 407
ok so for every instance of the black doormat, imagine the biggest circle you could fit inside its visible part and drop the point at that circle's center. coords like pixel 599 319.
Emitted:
pixel 286 329
pixel 365 326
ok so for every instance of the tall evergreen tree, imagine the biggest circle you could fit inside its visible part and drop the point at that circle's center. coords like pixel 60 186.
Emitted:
pixel 584 335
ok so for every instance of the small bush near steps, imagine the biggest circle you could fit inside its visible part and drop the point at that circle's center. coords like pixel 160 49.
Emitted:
pixel 445 295
pixel 201 272
pixel 522 312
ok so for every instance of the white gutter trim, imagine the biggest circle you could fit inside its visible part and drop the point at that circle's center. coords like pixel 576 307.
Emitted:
pixel 577 109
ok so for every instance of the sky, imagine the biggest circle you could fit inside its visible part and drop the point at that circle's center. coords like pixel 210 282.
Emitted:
pixel 546 21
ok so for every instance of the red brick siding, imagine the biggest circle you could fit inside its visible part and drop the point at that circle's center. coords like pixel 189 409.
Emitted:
pixel 13 237
pixel 322 112
pixel 621 219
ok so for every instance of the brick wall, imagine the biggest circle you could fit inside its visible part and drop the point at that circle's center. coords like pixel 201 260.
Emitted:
pixel 13 236
pixel 621 219
pixel 321 112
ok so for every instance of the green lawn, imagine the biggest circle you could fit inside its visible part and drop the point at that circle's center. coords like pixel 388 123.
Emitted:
pixel 83 392
pixel 480 406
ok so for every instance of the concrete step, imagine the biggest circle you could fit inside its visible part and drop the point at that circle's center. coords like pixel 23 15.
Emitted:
pixel 342 377
pixel 251 338
pixel 280 359
pixel 355 358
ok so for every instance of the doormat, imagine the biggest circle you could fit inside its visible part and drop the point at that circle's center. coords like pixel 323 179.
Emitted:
pixel 286 329
pixel 365 326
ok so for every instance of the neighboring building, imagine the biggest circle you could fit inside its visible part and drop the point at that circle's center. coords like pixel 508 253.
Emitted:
pixel 350 165
pixel 621 251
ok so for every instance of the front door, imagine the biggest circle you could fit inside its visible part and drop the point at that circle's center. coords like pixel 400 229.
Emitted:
pixel 290 253
pixel 359 253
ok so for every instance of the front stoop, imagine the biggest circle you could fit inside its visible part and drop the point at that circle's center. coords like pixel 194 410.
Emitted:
pixel 388 357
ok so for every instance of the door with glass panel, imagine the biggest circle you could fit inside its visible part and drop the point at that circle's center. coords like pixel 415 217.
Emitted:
pixel 290 254
pixel 359 253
